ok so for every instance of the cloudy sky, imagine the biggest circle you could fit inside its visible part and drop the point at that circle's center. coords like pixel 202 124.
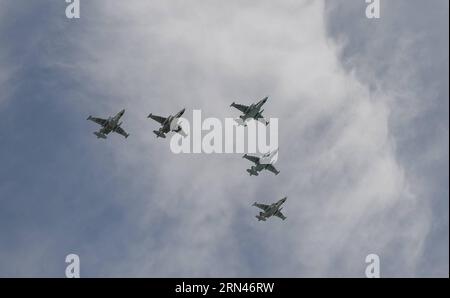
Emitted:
pixel 363 135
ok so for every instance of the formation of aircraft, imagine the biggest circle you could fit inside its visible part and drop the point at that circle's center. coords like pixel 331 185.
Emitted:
pixel 252 111
pixel 170 123
pixel 111 124
pixel 270 210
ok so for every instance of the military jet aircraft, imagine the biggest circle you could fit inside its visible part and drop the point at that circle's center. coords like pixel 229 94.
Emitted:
pixel 251 112
pixel 270 210
pixel 168 124
pixel 264 162
pixel 109 125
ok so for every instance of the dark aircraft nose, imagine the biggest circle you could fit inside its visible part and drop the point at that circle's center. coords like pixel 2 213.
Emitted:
pixel 180 113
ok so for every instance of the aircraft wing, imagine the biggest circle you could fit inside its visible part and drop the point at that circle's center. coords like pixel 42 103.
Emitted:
pixel 280 215
pixel 120 131
pixel 99 121
pixel 251 158
pixel 259 116
pixel 241 108
pixel 272 169
pixel 157 118
pixel 262 206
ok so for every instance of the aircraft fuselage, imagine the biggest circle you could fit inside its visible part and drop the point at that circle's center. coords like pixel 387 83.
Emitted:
pixel 254 109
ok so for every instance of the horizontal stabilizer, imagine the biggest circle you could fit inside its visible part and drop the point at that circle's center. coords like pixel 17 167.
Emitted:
pixel 159 134
pixel 263 121
pixel 260 218
pixel 240 122
pixel 100 135
pixel 182 132
pixel 252 173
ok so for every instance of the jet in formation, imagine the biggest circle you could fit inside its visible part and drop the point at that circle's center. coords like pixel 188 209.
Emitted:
pixel 270 210
pixel 111 124
pixel 168 124
pixel 251 112
pixel 265 162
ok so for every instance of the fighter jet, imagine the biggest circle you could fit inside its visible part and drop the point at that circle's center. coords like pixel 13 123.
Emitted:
pixel 270 210
pixel 109 125
pixel 167 124
pixel 264 162
pixel 251 112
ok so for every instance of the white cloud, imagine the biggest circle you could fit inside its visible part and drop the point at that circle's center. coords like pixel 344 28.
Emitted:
pixel 348 196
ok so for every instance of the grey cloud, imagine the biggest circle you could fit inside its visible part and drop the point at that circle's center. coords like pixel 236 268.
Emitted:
pixel 411 64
